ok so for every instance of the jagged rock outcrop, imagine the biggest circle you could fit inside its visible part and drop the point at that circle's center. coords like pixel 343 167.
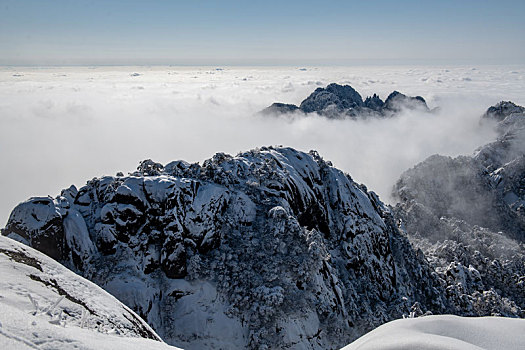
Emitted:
pixel 467 215
pixel 343 101
pixel 272 248
pixel 374 103
pixel 503 110
pixel 332 100
pixel 397 101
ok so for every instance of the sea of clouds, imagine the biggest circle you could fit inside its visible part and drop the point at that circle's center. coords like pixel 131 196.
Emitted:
pixel 63 126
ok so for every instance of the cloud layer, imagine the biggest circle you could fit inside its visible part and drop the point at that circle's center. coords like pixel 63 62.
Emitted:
pixel 66 125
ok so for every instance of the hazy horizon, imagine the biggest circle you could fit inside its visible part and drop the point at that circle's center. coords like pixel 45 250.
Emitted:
pixel 358 63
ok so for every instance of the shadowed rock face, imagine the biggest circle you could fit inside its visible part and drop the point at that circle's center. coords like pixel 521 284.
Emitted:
pixel 342 101
pixel 396 102
pixel 274 245
pixel 467 214
pixel 486 189
pixel 461 188
pixel 374 103
pixel 334 97
pixel 502 110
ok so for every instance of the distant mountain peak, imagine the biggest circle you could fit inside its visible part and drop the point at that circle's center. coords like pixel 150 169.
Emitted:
pixel 502 110
pixel 343 101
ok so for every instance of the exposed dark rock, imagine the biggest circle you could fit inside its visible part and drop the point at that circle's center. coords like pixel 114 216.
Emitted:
pixel 342 101
pixel 396 101
pixel 332 99
pixel 374 103
pixel 280 108
pixel 502 110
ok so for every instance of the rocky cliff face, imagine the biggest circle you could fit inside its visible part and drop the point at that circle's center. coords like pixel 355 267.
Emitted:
pixel 342 101
pixel 467 215
pixel 272 248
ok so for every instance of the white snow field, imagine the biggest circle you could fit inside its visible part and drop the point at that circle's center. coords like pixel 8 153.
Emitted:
pixel 445 332
pixel 64 125
pixel 43 305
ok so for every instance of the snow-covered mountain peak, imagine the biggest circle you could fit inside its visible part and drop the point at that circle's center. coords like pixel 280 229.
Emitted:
pixel 343 101
pixel 274 245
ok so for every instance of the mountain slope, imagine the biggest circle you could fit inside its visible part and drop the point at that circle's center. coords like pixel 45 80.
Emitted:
pixel 467 215
pixel 43 305
pixel 273 247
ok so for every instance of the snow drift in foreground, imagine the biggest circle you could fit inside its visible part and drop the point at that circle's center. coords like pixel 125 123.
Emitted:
pixel 45 306
pixel 445 332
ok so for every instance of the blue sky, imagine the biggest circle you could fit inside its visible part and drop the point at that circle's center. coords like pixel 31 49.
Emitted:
pixel 61 32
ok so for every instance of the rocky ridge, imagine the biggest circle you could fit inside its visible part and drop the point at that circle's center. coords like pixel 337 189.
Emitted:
pixel 467 215
pixel 271 248
pixel 343 101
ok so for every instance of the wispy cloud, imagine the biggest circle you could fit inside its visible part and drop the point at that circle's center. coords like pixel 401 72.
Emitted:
pixel 67 125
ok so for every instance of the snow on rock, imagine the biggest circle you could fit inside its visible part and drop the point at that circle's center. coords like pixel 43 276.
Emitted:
pixel 333 96
pixel 445 332
pixel 397 101
pixel 467 215
pixel 502 110
pixel 43 305
pixel 272 248
pixel 343 101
